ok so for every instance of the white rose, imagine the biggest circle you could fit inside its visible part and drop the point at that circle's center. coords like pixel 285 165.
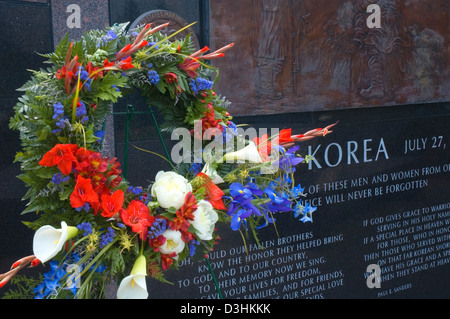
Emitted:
pixel 170 189
pixel 174 243
pixel 205 218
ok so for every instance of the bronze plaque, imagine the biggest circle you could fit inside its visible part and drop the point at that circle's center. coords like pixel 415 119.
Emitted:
pixel 306 55
pixel 159 17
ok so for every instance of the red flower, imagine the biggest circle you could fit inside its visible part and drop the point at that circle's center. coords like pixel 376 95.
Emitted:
pixel 107 64
pixel 180 223
pixel 213 192
pixel 111 205
pixel 83 193
pixel 189 206
pixel 62 155
pixel 264 147
pixel 142 44
pixel 189 66
pixel 171 77
pixel 157 242
pixel 125 64
pixel 93 71
pixel 167 261
pixel 209 121
pixel 138 217
pixel 284 138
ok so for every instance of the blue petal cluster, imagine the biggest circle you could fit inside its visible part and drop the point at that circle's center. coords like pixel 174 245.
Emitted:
pixel 200 84
pixel 158 228
pixel 57 278
pixel 58 178
pixel 58 116
pixel 153 76
pixel 86 228
pixel 106 237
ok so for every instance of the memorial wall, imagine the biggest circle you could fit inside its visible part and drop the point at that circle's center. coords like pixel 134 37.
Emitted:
pixel 379 181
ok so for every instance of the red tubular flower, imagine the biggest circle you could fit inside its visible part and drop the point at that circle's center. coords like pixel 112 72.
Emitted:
pixel 189 66
pixel 83 193
pixel 107 64
pixel 142 44
pixel 93 71
pixel 125 64
pixel 111 205
pixel 137 216
pixel 284 138
pixel 199 52
pixel 62 155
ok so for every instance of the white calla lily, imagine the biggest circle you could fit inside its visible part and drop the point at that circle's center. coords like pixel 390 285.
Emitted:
pixel 212 173
pixel 48 241
pixel 249 153
pixel 134 286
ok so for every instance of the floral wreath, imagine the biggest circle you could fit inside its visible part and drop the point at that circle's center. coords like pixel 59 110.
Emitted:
pixel 90 217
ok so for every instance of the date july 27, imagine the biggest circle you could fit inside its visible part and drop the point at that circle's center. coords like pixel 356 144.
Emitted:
pixel 423 143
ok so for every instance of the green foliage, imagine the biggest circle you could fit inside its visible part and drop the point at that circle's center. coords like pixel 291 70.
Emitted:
pixel 22 287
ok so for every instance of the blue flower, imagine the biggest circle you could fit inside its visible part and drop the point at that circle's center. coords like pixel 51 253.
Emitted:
pixel 84 76
pixel 306 212
pixel 200 84
pixel 233 128
pixel 86 207
pixel 106 237
pixel 241 199
pixel 150 44
pixel 196 168
pixel 58 178
pixel 192 246
pixel 86 228
pixel 297 191
pixel 135 190
pixel 238 191
pixel 81 110
pixel 52 281
pixel 268 219
pixel 237 219
pixel 58 116
pixel 99 135
pixel 153 76
pixel 273 196
pixel 158 227
pixel 289 159
pixel 110 36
